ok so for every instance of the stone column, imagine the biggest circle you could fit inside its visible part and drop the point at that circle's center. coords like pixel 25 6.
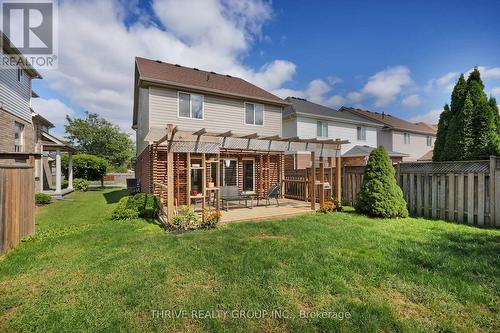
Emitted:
pixel 70 171
pixel 58 171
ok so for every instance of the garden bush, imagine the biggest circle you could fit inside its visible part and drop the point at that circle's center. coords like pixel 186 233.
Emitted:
pixel 64 184
pixel 139 205
pixel 42 199
pixel 81 185
pixel 380 195
pixel 122 210
pixel 87 167
pixel 186 219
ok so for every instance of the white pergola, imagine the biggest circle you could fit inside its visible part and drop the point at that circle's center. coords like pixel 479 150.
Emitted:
pixel 48 144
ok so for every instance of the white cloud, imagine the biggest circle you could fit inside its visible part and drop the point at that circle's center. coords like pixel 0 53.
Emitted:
pixel 54 110
pixel 336 101
pixel 495 92
pixel 387 84
pixel 355 96
pixel 97 50
pixel 411 101
pixel 431 117
pixel 445 82
pixel 487 73
pixel 317 91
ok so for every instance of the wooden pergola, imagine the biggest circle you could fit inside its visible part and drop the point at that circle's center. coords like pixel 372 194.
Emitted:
pixel 172 135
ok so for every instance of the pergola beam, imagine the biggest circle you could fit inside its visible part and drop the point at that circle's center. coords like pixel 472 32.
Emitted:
pixel 200 132
pixel 250 136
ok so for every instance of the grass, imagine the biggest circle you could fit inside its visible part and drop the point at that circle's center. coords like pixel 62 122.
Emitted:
pixel 84 272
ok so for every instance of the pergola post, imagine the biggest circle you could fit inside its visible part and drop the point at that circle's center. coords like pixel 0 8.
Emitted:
pixel 58 171
pixel 338 182
pixel 70 171
pixel 330 175
pixel 313 181
pixel 170 185
pixel 217 183
pixel 42 172
pixel 321 180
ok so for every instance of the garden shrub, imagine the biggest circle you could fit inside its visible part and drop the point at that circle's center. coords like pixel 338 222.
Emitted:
pixel 81 185
pixel 122 210
pixel 380 195
pixel 88 167
pixel 42 199
pixel 139 205
pixel 186 219
pixel 64 184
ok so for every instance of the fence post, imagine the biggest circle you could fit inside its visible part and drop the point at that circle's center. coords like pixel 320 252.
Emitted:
pixel 493 219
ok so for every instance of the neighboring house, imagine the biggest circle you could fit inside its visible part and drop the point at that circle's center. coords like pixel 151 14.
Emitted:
pixel 16 125
pixel 21 129
pixel 358 156
pixel 199 133
pixel 414 139
pixel 305 119
pixel 48 173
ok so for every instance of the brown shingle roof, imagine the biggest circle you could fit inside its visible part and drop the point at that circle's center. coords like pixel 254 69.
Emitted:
pixel 176 75
pixel 393 122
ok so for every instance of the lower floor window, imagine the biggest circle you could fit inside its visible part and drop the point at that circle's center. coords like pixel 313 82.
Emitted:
pixel 18 137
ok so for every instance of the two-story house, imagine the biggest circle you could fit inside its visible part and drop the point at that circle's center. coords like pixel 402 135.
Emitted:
pixel 21 129
pixel 200 132
pixel 413 139
pixel 305 119
pixel 16 125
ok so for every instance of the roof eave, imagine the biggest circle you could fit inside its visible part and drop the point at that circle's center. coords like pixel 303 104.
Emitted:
pixel 348 121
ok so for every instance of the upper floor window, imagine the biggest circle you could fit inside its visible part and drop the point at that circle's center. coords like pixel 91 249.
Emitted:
pixel 322 129
pixel 19 74
pixel 407 138
pixel 254 114
pixel 190 106
pixel 361 133
pixel 429 140
pixel 18 137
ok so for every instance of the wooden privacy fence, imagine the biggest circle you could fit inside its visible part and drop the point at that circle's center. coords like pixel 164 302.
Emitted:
pixel 17 201
pixel 467 191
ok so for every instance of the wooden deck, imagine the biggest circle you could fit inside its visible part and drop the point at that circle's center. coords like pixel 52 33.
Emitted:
pixel 288 208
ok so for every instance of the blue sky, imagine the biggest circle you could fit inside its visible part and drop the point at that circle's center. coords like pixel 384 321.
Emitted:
pixel 400 57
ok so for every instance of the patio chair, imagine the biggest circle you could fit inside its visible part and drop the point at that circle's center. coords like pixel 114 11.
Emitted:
pixel 273 193
pixel 232 193
pixel 133 186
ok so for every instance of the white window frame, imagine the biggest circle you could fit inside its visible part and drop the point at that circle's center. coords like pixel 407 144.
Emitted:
pixel 407 138
pixel 223 180
pixel 323 123
pixel 245 114
pixel 361 130
pixel 21 137
pixel 429 141
pixel 190 106
pixel 253 166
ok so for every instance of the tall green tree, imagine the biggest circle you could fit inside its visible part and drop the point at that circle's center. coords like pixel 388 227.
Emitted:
pixel 473 127
pixel 453 147
pixel 494 107
pixel 95 135
pixel 440 143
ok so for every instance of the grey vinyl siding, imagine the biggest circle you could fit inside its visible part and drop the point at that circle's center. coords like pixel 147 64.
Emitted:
pixel 142 120
pixel 14 95
pixel 221 114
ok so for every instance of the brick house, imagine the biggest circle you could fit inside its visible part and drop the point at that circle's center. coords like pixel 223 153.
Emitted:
pixel 198 132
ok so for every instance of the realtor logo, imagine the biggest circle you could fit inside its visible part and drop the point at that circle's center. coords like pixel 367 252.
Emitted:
pixel 30 26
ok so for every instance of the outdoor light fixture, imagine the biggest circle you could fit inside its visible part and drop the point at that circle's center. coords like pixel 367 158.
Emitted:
pixel 227 163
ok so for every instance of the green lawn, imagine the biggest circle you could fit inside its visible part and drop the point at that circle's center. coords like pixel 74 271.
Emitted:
pixel 84 272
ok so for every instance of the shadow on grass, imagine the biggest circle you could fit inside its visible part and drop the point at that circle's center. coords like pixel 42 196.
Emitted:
pixel 115 196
